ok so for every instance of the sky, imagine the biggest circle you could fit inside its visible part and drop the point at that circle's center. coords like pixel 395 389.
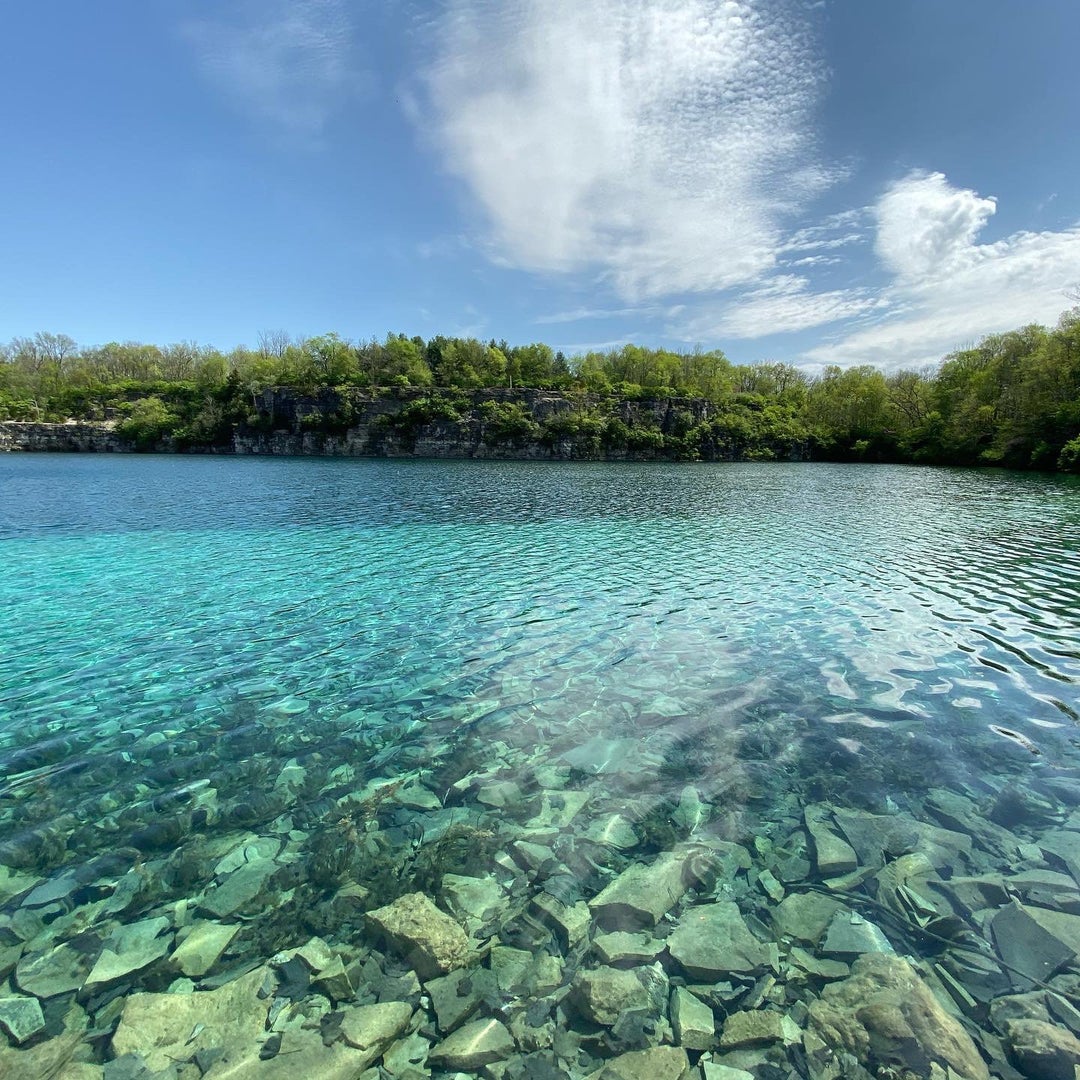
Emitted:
pixel 808 181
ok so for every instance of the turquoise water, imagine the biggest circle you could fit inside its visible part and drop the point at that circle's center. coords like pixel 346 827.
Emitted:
pixel 178 631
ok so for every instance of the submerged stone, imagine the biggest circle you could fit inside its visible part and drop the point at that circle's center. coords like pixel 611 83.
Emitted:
pixel 692 1020
pixel 713 940
pixel 1036 941
pixel 239 889
pixel 757 1028
pixel 657 1063
pixel 455 997
pixel 622 947
pixel 430 940
pixel 21 1017
pixel 367 1027
pixel 805 916
pixel 1043 1051
pixel 833 855
pixel 131 948
pixel 57 971
pixel 202 947
pixel 642 893
pixel 887 1017
pixel 473 1046
pixel 849 934
pixel 603 994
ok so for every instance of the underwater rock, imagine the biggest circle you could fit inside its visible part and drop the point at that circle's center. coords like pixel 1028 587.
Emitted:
pixel 833 856
pixel 886 1016
pixel 202 947
pixel 1042 1051
pixel 622 947
pixel 642 893
pixel 759 1027
pixel 603 994
pixel 849 934
pixel 1036 941
pixel 570 922
pixel 130 948
pixel 455 997
pixel 713 940
pixel 692 1020
pixel 657 1063
pixel 805 916
pixel 374 1027
pixel 21 1017
pixel 58 971
pixel 239 889
pixel 712 1071
pixel 612 830
pixel 473 1046
pixel 475 902
pixel 174 1027
pixel 430 940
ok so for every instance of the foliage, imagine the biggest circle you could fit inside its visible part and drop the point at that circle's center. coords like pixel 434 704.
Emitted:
pixel 1011 400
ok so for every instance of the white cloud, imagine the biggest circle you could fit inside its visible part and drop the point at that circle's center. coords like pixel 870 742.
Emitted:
pixel 948 291
pixel 661 141
pixel 784 304
pixel 287 62
pixel 926 226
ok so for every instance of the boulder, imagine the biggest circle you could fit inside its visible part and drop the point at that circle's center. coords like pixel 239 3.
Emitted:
pixel 713 940
pixel 603 994
pixel 887 1017
pixel 473 1046
pixel 431 941
pixel 1042 1051
pixel 642 893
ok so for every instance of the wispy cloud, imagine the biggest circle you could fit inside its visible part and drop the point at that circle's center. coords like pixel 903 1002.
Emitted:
pixel 581 314
pixel 948 290
pixel 289 63
pixel 662 142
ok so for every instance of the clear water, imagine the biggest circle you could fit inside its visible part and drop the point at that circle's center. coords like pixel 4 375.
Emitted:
pixel 773 634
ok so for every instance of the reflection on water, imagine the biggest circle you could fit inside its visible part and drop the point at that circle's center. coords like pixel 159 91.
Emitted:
pixel 684 754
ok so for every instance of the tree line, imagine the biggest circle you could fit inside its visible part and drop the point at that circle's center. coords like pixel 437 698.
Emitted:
pixel 1012 399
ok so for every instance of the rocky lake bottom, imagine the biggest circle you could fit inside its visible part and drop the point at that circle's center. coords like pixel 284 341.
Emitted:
pixel 396 770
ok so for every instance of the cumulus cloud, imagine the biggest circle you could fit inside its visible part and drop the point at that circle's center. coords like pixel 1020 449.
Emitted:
pixel 286 62
pixel 659 141
pixel 948 290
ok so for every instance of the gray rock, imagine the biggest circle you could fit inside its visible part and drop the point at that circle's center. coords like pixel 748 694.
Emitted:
pixel 833 855
pixel 612 830
pixel 712 1071
pixel 21 1017
pixel 174 1027
pixel 603 994
pixel 475 902
pixel 368 1027
pixel 659 1063
pixel 805 916
pixel 761 1027
pixel 570 922
pixel 58 971
pixel 887 1017
pixel 692 1021
pixel 622 947
pixel 239 889
pixel 713 939
pixel 849 935
pixel 473 1046
pixel 1035 941
pixel 130 948
pixel 642 893
pixel 1042 1051
pixel 455 997
pixel 57 888
pixel 431 941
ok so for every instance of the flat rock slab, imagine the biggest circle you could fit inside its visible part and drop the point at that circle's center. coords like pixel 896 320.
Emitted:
pixel 622 947
pixel 850 935
pixel 833 855
pixel 455 997
pixel 692 1020
pixel 131 948
pixel 659 1063
pixel 1035 941
pixel 643 893
pixel 887 1017
pixel 758 1027
pixel 474 1046
pixel 805 916
pixel 430 940
pixel 239 889
pixel 57 971
pixel 713 940
pixel 367 1027
pixel 21 1017
pixel 164 1028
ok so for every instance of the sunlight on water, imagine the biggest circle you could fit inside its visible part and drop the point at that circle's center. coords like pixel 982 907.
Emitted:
pixel 391 672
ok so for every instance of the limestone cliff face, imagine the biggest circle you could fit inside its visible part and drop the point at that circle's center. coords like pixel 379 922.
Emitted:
pixel 412 422
pixel 71 437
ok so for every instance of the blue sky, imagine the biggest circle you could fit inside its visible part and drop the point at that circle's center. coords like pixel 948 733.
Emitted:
pixel 814 182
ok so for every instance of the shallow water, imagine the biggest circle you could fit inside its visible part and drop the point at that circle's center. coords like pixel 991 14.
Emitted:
pixel 198 650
